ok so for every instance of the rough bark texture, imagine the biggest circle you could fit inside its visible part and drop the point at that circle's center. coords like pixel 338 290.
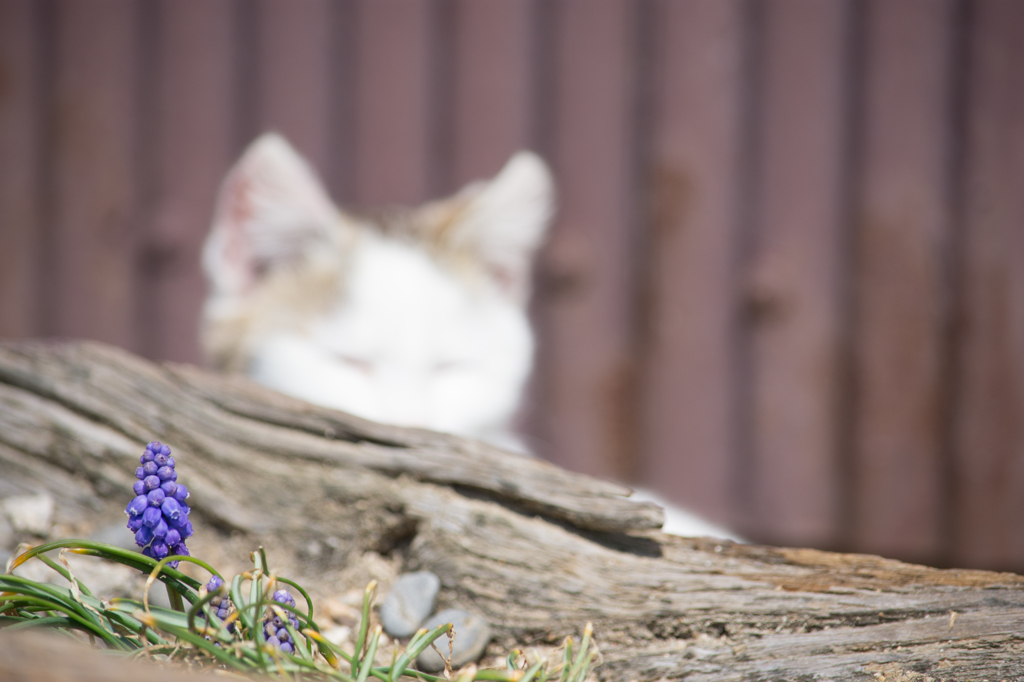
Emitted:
pixel 537 550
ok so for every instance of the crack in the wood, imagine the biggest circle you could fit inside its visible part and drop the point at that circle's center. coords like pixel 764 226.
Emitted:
pixel 613 540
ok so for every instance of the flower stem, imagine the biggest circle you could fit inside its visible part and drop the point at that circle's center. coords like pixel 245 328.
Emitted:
pixel 175 598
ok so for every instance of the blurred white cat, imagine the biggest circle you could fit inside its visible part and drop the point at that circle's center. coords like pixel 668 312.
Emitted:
pixel 413 317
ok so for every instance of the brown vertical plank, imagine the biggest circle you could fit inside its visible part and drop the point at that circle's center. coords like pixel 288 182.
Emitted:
pixel 989 452
pixel 294 71
pixel 94 183
pixel 795 275
pixel 19 170
pixel 192 146
pixel 902 300
pixel 687 420
pixel 587 293
pixel 393 108
pixel 492 98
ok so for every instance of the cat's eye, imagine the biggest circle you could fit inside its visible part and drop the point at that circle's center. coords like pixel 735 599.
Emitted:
pixel 360 364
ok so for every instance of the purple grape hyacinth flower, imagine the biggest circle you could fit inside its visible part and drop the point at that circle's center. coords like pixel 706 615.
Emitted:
pixel 273 626
pixel 221 606
pixel 158 514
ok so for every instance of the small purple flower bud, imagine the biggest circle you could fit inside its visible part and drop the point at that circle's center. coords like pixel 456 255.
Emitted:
pixel 139 473
pixel 186 530
pixel 164 450
pixel 170 462
pixel 151 517
pixel 154 446
pixel 185 509
pixel 181 493
pixel 173 537
pixel 160 549
pixel 169 488
pixel 148 551
pixel 137 506
pixel 274 642
pixel 134 523
pixel 287 647
pixel 143 536
pixel 156 497
pixel 167 474
pixel 160 460
pixel 284 597
pixel 151 482
pixel 171 509
pixel 214 584
pixel 160 530
pixel 181 550
pixel 150 468
pixel 139 487
pixel 282 635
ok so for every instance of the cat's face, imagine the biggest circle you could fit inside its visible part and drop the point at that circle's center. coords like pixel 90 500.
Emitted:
pixel 415 319
pixel 405 343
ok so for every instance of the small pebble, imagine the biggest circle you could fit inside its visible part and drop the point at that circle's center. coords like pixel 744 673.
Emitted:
pixel 472 634
pixel 409 603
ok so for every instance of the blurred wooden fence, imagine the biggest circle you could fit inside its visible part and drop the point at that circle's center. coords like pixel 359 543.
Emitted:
pixel 787 281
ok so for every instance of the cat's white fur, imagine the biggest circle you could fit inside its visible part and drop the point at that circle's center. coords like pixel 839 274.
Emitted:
pixel 416 318
pixel 438 355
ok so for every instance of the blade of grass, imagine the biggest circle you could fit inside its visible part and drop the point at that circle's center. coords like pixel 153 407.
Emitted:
pixel 371 651
pixel 236 598
pixel 566 659
pixel 50 621
pixel 364 624
pixel 417 645
pixel 582 659
pixel 62 599
pixel 123 556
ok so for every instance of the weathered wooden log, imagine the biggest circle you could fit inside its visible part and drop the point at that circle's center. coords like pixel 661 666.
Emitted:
pixel 536 550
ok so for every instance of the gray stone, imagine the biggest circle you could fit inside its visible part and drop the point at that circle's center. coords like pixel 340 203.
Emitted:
pixel 472 634
pixel 409 602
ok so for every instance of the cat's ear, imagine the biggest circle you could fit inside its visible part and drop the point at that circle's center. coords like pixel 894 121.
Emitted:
pixel 271 211
pixel 502 222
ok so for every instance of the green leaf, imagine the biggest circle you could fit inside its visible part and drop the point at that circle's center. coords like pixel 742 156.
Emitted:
pixel 420 641
pixel 371 651
pixel 364 623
